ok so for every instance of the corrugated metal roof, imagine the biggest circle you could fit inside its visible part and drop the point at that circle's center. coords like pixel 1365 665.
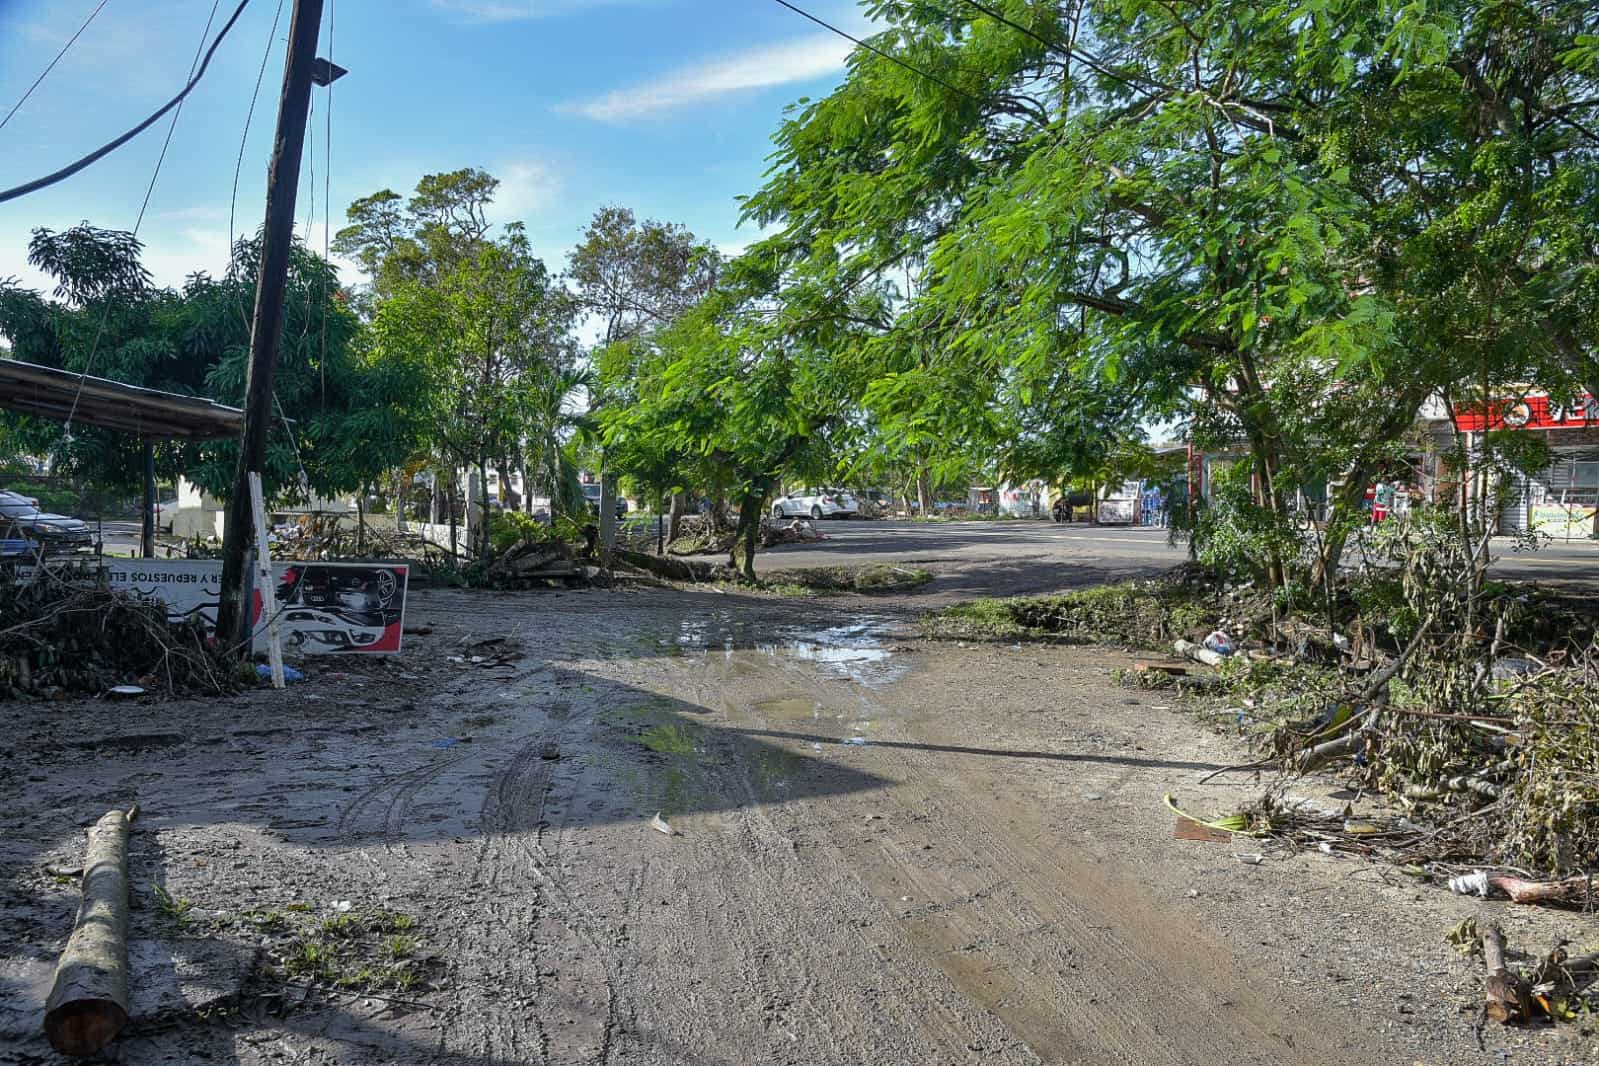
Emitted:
pixel 150 413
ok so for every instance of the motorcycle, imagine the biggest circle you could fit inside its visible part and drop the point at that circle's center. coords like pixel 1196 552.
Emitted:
pixel 1066 506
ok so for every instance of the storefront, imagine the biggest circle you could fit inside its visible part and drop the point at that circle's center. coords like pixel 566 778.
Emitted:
pixel 1561 500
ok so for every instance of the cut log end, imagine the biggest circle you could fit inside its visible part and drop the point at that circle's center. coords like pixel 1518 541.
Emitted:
pixel 83 1027
pixel 88 1002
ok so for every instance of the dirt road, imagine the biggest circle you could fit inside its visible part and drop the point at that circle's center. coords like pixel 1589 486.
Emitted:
pixel 884 851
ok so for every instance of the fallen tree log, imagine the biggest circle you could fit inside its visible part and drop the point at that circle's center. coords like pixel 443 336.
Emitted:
pixel 1507 995
pixel 675 569
pixel 88 1002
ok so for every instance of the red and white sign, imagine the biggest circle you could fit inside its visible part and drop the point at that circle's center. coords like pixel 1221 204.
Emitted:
pixel 323 608
pixel 1529 412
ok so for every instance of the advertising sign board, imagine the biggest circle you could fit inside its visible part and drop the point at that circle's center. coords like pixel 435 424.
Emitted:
pixel 323 608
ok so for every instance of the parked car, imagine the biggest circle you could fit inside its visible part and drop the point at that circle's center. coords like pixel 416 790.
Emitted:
pixel 817 504
pixel 591 493
pixel 20 517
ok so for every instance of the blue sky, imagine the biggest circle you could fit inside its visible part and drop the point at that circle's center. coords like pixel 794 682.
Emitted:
pixel 664 106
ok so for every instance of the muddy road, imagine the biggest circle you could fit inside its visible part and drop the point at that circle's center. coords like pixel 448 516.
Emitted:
pixel 883 851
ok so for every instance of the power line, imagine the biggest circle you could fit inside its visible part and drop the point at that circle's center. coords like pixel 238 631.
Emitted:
pixel 327 213
pixel 107 149
pixel 238 165
pixel 1055 46
pixel 70 42
pixel 879 52
pixel 173 126
pixel 149 190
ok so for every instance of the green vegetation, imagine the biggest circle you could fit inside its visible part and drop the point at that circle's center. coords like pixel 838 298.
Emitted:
pixel 670 738
pixel 347 412
pixel 1144 614
pixel 1011 239
pixel 875 577
pixel 174 913
pixel 361 950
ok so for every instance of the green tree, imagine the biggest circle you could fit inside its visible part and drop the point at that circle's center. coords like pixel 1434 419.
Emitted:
pixel 638 279
pixel 339 420
pixel 1288 224
pixel 491 336
pixel 444 224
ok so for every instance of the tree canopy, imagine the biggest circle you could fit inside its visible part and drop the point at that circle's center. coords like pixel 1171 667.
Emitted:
pixel 335 410
pixel 1286 224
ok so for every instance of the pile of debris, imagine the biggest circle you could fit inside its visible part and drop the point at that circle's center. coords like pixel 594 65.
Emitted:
pixel 542 564
pixel 698 535
pixel 789 531
pixel 327 537
pixel 701 535
pixel 69 634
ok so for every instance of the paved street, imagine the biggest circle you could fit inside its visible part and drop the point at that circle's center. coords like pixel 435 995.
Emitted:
pixel 1015 558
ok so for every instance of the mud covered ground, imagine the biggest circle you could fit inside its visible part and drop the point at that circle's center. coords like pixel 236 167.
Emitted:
pixel 884 851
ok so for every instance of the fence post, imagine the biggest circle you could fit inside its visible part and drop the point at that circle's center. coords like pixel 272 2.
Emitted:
pixel 660 534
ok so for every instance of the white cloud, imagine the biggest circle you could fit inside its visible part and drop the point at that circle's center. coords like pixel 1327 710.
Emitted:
pixel 802 60
pixel 526 187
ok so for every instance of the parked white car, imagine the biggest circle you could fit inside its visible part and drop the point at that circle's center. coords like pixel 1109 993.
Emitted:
pixel 817 504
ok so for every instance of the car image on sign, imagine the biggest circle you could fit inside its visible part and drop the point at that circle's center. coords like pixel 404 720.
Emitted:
pixel 317 631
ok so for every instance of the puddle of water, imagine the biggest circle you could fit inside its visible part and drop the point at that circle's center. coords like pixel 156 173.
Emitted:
pixel 855 651
pixel 791 709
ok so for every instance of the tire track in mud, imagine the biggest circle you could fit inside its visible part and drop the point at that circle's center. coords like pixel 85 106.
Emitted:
pixel 1076 974
pixel 926 1013
pixel 765 920
pixel 393 797
pixel 1101 946
pixel 513 829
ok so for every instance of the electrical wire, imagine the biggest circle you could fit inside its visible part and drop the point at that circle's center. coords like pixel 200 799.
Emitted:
pixel 879 52
pixel 106 149
pixel 327 213
pixel 70 42
pixel 238 165
pixel 172 127
pixel 1055 46
pixel 149 190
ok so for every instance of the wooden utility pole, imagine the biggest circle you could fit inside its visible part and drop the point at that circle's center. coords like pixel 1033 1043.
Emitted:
pixel 283 180
pixel 147 531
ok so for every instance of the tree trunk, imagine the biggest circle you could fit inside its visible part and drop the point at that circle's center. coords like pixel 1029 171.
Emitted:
pixel 1342 507
pixel 607 510
pixel 674 516
pixel 360 522
pixel 924 493
pixel 455 536
pixel 482 538
pixel 748 534
pixel 88 1003
pixel 503 472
